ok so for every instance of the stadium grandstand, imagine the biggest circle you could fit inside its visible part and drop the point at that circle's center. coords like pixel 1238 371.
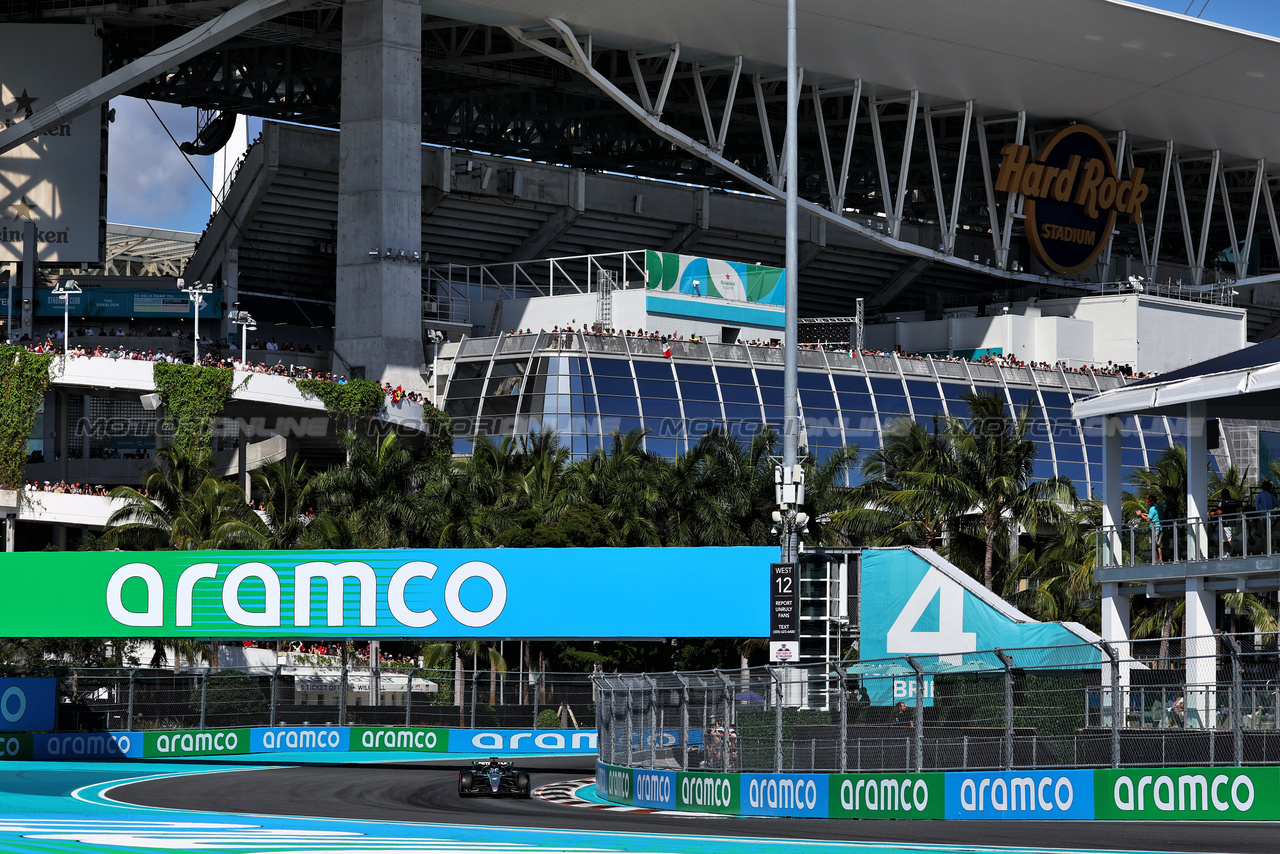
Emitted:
pixel 610 185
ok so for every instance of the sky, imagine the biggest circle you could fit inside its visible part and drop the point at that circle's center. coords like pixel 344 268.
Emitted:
pixel 152 184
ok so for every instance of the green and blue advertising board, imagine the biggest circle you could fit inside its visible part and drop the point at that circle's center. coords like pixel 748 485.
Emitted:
pixel 1139 794
pixel 462 593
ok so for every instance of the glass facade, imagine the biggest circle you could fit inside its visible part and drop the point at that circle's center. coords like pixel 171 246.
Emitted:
pixel 588 387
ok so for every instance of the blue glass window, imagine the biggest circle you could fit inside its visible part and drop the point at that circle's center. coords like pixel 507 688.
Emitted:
pixel 617 386
pixel 611 367
pixel 883 385
pixel 653 370
pixel 694 373
pixel 702 409
pixel 656 388
pixel 735 376
pixel 739 394
pixel 736 412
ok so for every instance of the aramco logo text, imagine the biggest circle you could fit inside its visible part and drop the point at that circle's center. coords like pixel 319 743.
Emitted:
pixel 1073 193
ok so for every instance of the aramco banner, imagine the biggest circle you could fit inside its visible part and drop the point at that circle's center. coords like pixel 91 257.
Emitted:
pixel 393 593
pixel 706 277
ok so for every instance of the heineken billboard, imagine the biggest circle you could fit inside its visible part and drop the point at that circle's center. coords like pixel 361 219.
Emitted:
pixel 393 593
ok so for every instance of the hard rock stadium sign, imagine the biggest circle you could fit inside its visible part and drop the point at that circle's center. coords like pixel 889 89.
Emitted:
pixel 1073 193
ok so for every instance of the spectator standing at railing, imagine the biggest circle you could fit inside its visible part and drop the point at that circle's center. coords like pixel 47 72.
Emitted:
pixel 1152 516
pixel 1265 502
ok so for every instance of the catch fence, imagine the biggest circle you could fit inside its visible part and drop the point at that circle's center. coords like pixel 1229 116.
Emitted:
pixel 138 699
pixel 1176 702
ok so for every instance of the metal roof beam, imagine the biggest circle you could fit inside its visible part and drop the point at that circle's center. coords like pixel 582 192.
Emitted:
pixel 231 23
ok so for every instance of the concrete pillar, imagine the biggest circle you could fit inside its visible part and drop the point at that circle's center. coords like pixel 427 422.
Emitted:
pixel 1197 482
pixel 242 459
pixel 379 299
pixel 10 532
pixel 64 434
pixel 60 537
pixel 1202 662
pixel 231 289
pixel 1115 631
pixel 1112 490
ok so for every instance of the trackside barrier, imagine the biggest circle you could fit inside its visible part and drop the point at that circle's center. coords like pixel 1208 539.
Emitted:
pixel 179 744
pixel 1144 794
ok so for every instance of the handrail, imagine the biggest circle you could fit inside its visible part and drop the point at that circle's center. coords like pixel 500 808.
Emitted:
pixel 1219 536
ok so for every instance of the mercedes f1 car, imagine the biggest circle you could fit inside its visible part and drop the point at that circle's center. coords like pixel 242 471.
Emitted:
pixel 493 778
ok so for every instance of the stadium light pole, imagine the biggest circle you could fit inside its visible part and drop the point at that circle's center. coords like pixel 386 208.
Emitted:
pixel 246 323
pixel 789 480
pixel 65 290
pixel 195 292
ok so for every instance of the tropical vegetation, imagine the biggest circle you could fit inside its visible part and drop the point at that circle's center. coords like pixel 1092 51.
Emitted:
pixel 963 486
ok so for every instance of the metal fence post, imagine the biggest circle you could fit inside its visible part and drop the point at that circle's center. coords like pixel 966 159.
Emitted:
pixel 630 725
pixel 475 689
pixel 408 698
pixel 1116 709
pixel 915 665
pixel 684 721
pixel 275 686
pixel 1237 697
pixel 133 677
pixel 342 695
pixel 727 723
pixel 204 696
pixel 1008 708
pixel 537 689
pixel 653 720
pixel 613 735
pixel 844 720
pixel 777 720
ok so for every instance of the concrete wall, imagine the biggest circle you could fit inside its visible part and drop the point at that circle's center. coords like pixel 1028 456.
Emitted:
pixel 629 312
pixel 1149 333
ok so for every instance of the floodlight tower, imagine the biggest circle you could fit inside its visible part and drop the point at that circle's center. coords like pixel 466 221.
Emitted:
pixel 195 292
pixel 65 290
pixel 247 324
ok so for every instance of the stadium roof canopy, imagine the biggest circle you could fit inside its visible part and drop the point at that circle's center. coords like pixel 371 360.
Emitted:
pixel 1114 64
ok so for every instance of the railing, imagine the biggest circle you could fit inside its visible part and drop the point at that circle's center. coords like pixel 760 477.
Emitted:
pixel 925 367
pixel 1180 702
pixel 545 277
pixel 1221 536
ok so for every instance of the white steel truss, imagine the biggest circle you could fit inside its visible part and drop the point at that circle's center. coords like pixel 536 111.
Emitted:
pixel 855 106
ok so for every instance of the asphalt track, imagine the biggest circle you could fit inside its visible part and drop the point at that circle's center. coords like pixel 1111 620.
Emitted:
pixel 427 792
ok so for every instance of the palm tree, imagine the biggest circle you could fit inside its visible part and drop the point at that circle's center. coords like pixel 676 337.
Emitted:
pixel 910 494
pixel 284 489
pixel 700 494
pixel 626 481
pixel 473 504
pixel 182 506
pixel 216 516
pixel 147 518
pixel 377 491
pixel 994 461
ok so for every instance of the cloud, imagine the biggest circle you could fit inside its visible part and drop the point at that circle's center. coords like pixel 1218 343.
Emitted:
pixel 150 182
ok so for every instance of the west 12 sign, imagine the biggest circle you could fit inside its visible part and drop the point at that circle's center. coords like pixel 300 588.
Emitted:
pixel 1073 193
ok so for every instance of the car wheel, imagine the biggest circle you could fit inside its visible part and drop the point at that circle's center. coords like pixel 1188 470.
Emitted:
pixel 522 781
pixel 465 783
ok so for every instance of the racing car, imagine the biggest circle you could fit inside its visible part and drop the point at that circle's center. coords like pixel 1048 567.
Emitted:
pixel 495 778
